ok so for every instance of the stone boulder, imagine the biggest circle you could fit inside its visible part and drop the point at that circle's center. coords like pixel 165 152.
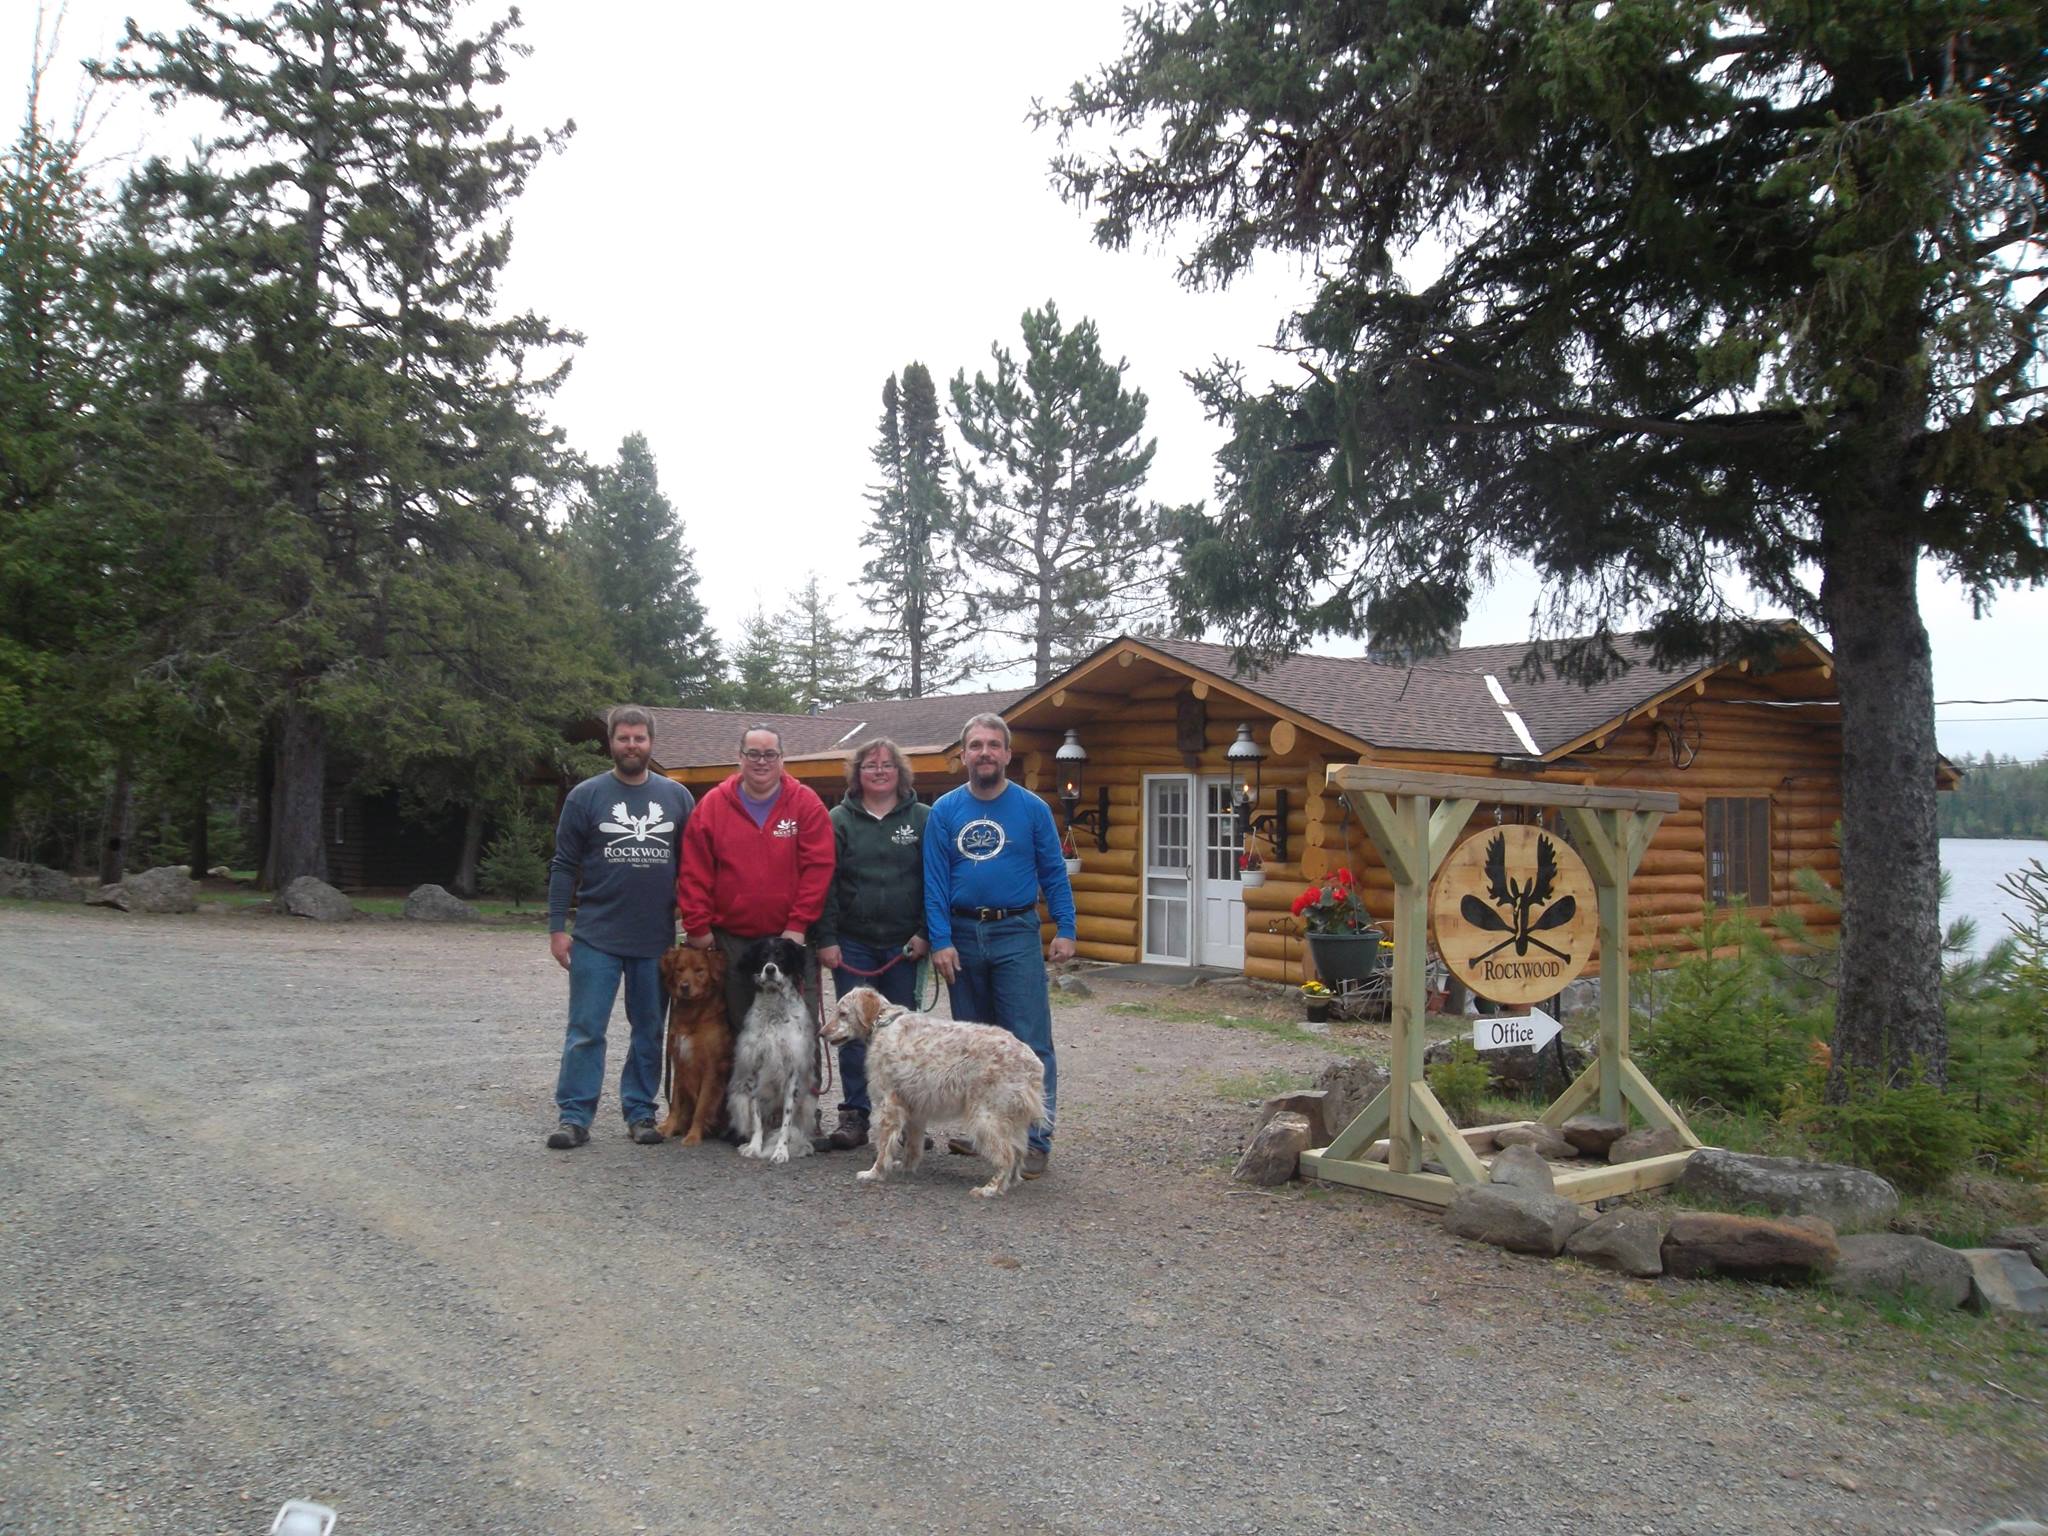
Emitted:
pixel 1546 1140
pixel 1592 1135
pixel 2032 1241
pixel 1637 1145
pixel 434 904
pixel 1522 1167
pixel 1700 1243
pixel 1274 1156
pixel 1520 1073
pixel 168 888
pixel 314 898
pixel 1348 1084
pixel 1886 1263
pixel 1307 1103
pixel 1073 986
pixel 1851 1199
pixel 2005 1280
pixel 37 882
pixel 1628 1242
pixel 1519 1220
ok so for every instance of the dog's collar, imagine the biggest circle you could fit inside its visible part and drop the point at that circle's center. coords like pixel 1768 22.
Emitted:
pixel 890 1014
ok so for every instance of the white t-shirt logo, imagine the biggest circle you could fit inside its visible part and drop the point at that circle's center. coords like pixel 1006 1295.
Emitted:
pixel 981 840
pixel 636 829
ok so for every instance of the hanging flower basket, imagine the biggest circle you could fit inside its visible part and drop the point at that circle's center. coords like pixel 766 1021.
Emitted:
pixel 1073 867
pixel 1345 956
pixel 1252 879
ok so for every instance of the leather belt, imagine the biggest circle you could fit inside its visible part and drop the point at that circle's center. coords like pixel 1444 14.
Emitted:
pixel 993 914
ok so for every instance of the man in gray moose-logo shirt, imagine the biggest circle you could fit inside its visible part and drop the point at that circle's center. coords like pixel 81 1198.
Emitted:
pixel 615 850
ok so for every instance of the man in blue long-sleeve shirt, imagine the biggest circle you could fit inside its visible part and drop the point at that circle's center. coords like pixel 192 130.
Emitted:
pixel 990 848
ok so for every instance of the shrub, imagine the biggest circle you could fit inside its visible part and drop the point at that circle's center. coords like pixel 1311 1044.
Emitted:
pixel 1459 1083
pixel 515 862
pixel 1721 1028
pixel 1915 1134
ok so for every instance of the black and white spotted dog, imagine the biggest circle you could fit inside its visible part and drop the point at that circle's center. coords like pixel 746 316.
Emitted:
pixel 769 1099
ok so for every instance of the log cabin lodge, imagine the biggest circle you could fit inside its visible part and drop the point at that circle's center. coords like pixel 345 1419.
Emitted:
pixel 1753 754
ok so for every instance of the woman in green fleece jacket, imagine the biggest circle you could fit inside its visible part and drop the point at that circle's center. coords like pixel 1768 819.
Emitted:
pixel 871 932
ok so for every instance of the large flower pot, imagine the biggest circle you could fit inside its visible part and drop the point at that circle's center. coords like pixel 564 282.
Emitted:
pixel 1345 956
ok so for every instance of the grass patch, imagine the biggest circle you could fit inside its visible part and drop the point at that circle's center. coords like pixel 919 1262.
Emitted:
pixel 1260 1085
pixel 391 906
pixel 1278 1029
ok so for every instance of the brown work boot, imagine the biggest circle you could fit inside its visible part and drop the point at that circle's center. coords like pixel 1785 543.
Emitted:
pixel 852 1131
pixel 1035 1160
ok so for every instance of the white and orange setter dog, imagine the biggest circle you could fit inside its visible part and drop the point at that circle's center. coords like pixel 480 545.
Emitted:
pixel 922 1069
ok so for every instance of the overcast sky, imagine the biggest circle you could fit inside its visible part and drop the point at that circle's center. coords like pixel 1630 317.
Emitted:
pixel 763 214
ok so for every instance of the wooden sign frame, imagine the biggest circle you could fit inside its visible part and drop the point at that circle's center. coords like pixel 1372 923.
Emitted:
pixel 1414 820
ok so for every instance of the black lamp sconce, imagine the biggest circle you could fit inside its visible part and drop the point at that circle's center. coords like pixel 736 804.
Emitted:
pixel 1244 756
pixel 1073 760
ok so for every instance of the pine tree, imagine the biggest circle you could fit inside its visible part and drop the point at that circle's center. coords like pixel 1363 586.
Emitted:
pixel 54 394
pixel 628 539
pixel 913 582
pixel 328 264
pixel 1711 290
pixel 821 660
pixel 763 679
pixel 1065 553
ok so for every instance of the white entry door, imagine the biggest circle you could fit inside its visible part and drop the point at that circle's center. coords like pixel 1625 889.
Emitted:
pixel 1219 936
pixel 1194 904
pixel 1169 869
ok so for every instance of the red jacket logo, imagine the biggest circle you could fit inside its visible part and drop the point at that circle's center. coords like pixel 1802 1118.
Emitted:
pixel 785 827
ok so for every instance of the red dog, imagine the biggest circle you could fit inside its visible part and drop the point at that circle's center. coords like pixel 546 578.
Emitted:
pixel 699 1041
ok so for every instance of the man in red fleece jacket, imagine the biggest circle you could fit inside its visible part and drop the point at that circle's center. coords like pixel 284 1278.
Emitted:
pixel 757 860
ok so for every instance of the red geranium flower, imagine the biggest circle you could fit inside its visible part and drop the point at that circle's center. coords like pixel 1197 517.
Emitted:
pixel 1334 906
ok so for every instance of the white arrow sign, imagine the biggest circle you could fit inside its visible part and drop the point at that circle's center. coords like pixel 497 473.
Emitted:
pixel 1535 1029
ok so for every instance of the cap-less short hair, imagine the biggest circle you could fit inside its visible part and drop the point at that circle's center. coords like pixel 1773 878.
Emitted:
pixel 753 728
pixel 627 714
pixel 993 722
pixel 905 780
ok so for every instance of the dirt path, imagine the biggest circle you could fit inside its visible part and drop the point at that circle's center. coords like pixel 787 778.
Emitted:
pixel 275 1221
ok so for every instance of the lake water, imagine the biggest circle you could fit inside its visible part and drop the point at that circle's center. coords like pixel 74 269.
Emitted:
pixel 1975 866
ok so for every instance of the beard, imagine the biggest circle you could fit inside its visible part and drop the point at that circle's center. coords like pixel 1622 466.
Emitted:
pixel 630 762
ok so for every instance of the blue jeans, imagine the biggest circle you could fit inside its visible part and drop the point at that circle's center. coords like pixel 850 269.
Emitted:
pixel 594 978
pixel 1002 981
pixel 898 984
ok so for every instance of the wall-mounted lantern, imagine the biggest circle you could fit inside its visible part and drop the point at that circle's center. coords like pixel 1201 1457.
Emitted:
pixel 1245 757
pixel 1072 758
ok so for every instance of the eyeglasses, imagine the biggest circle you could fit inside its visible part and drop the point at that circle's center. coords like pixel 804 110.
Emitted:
pixel 881 765
pixel 755 755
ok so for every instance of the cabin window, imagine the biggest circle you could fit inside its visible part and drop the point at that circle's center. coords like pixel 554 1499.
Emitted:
pixel 1739 852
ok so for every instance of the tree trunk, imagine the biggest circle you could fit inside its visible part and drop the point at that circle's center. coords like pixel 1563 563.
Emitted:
pixel 464 883
pixel 1888 1017
pixel 200 854
pixel 266 806
pixel 120 819
pixel 296 845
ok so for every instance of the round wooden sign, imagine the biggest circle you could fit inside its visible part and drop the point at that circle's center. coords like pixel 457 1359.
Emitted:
pixel 1515 914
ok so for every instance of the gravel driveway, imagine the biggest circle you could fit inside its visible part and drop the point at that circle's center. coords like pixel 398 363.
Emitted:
pixel 278 1223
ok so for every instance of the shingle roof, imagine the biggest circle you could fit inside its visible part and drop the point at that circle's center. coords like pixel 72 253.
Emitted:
pixel 1442 703
pixel 695 738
